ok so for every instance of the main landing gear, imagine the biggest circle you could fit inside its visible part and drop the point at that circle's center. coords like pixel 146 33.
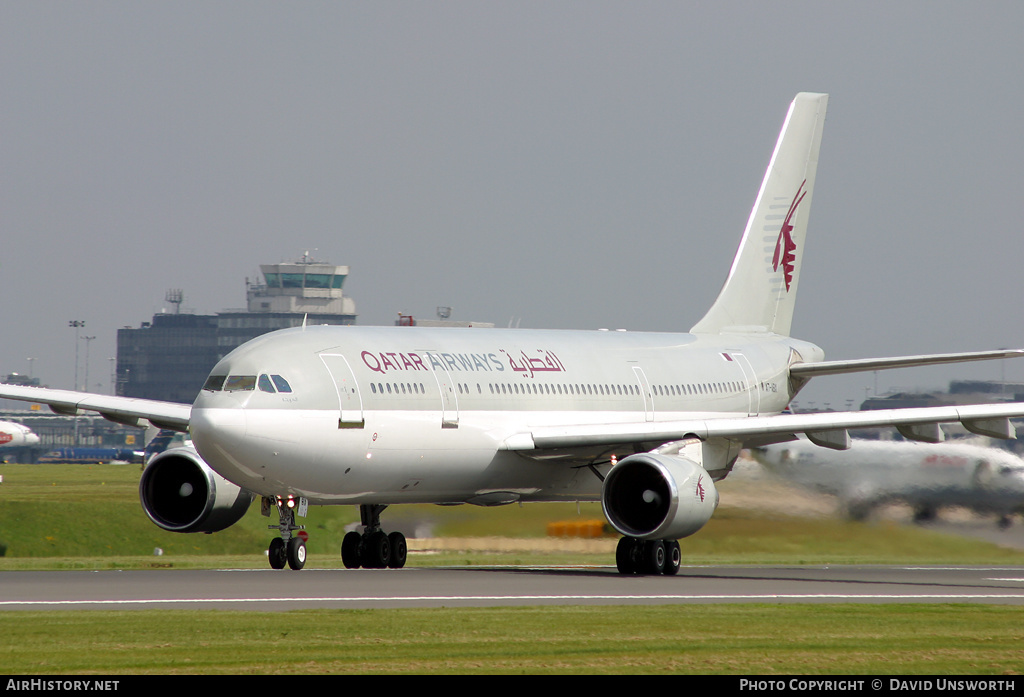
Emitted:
pixel 373 549
pixel 644 557
pixel 289 548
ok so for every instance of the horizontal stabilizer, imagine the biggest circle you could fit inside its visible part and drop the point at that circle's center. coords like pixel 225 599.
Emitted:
pixel 861 365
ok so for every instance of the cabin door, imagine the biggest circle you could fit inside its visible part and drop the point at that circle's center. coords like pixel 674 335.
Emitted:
pixel 645 390
pixel 750 380
pixel 350 402
pixel 446 386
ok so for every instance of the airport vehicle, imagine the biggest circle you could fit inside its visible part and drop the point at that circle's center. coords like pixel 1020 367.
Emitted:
pixel 82 456
pixel 924 475
pixel 644 422
pixel 15 435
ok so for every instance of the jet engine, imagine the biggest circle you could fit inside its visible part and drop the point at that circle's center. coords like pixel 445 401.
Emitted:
pixel 180 493
pixel 656 496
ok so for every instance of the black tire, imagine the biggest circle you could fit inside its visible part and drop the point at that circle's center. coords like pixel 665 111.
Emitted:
pixel 626 555
pixel 673 557
pixel 350 550
pixel 654 557
pixel 399 550
pixel 376 551
pixel 296 553
pixel 277 554
pixel 924 514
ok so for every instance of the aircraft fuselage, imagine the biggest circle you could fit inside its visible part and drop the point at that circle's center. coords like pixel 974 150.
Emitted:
pixel 405 414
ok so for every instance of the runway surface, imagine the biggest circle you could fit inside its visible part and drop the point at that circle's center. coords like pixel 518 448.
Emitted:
pixel 268 590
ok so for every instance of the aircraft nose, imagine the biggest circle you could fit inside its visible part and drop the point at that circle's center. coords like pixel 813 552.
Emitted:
pixel 31 439
pixel 216 428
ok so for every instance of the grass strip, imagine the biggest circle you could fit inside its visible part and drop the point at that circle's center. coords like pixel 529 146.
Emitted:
pixel 721 639
pixel 90 514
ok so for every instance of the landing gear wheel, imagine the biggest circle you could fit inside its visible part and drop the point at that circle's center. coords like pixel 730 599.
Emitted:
pixel 626 555
pixel 673 557
pixel 350 550
pixel 290 547
pixel 924 514
pixel 654 557
pixel 277 554
pixel 296 553
pixel 399 550
pixel 376 551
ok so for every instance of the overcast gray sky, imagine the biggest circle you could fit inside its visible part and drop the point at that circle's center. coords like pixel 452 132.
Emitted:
pixel 553 164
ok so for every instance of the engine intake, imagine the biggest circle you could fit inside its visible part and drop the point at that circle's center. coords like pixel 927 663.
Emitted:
pixel 180 493
pixel 655 496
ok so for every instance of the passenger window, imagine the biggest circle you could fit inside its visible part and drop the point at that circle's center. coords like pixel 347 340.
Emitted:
pixel 240 383
pixel 265 384
pixel 281 384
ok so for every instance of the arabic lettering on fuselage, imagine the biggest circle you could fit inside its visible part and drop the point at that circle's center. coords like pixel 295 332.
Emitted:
pixel 527 365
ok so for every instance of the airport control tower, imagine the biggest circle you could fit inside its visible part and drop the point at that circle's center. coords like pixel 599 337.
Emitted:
pixel 304 286
pixel 289 292
pixel 170 357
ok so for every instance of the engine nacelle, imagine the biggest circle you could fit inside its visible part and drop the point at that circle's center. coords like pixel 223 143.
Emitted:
pixel 658 497
pixel 180 493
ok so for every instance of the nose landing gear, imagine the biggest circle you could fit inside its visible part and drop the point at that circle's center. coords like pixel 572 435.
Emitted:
pixel 289 548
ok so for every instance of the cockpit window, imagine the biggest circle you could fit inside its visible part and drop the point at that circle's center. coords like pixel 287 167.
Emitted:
pixel 281 383
pixel 239 383
pixel 265 384
pixel 215 382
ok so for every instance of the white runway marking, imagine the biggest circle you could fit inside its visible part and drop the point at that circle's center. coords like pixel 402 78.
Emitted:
pixel 839 597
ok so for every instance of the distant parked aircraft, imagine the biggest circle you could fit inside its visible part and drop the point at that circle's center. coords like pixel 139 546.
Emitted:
pixel 926 476
pixel 14 435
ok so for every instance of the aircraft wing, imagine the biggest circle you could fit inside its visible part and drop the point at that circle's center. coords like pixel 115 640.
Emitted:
pixel 124 410
pixel 828 429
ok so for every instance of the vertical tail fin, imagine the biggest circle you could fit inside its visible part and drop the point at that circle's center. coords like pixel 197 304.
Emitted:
pixel 760 292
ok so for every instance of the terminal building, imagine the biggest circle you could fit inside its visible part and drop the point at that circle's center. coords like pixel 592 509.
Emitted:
pixel 170 357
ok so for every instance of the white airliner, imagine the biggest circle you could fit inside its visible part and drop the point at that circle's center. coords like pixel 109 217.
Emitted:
pixel 645 423
pixel 926 476
pixel 15 435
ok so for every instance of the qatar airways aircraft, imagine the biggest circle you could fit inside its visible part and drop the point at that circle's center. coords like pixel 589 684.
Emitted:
pixel 646 423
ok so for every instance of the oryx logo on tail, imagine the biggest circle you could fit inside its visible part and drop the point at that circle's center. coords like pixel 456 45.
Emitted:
pixel 785 247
